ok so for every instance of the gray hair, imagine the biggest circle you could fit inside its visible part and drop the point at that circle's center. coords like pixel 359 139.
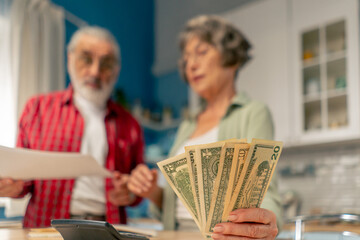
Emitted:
pixel 98 32
pixel 225 37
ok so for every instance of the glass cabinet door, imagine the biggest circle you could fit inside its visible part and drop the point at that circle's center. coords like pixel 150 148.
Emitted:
pixel 324 78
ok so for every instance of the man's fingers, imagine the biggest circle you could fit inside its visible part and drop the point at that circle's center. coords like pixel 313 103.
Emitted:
pixel 10 187
pixel 254 215
pixel 124 179
pixel 10 191
pixel 5 182
pixel 119 199
pixel 120 180
pixel 116 175
pixel 6 192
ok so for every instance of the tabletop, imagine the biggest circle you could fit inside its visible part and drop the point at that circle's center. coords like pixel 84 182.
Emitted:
pixel 22 234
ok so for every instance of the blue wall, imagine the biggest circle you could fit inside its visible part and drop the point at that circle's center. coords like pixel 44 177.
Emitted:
pixel 171 91
pixel 132 23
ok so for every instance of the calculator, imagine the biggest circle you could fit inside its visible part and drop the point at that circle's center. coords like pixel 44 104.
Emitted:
pixel 74 229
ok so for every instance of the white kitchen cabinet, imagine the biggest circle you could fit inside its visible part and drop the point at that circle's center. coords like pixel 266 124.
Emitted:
pixel 325 58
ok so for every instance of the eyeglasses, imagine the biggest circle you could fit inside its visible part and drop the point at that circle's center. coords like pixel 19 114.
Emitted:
pixel 196 56
pixel 106 64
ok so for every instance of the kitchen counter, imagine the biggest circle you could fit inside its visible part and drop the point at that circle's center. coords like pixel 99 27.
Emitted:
pixel 320 227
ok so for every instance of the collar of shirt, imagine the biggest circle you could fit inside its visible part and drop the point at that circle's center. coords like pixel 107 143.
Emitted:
pixel 238 100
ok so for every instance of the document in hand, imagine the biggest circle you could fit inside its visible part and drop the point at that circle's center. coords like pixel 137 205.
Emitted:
pixel 214 179
pixel 27 164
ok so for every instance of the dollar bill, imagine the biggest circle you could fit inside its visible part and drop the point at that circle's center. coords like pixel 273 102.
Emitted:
pixel 221 185
pixel 240 154
pixel 190 154
pixel 176 172
pixel 256 175
pixel 208 158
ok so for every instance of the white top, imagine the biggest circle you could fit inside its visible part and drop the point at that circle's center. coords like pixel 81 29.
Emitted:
pixel 208 137
pixel 89 192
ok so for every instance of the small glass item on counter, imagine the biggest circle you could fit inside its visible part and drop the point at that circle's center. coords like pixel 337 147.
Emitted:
pixel 137 109
pixel 185 112
pixel 147 115
pixel 167 116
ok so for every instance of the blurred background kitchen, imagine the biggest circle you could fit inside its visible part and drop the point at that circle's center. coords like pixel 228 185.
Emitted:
pixel 305 66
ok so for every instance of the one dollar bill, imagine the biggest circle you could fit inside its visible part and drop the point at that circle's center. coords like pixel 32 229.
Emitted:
pixel 176 172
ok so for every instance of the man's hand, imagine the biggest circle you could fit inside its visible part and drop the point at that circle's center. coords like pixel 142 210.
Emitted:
pixel 10 187
pixel 143 181
pixel 120 194
pixel 251 223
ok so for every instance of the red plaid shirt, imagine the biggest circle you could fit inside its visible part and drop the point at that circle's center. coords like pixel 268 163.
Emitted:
pixel 52 123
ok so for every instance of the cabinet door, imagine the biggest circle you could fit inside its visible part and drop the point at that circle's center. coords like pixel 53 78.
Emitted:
pixel 325 57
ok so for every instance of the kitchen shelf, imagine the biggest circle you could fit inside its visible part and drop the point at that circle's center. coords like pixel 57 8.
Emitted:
pixel 313 97
pixel 336 93
pixel 336 56
pixel 310 62
pixel 159 126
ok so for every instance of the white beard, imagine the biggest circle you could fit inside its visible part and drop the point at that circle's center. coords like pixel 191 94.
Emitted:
pixel 98 97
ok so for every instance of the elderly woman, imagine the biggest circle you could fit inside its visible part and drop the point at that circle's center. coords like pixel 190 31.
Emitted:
pixel 213 52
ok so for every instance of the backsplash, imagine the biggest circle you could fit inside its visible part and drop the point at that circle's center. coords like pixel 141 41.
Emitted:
pixel 326 180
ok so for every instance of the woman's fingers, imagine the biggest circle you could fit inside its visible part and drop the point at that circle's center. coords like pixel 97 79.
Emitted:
pixel 254 215
pixel 137 186
pixel 250 230
pixel 251 223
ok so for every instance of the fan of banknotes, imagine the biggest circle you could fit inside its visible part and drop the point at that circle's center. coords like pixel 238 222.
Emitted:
pixel 213 179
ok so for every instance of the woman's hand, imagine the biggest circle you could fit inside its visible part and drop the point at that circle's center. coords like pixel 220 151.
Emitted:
pixel 143 183
pixel 251 223
pixel 10 187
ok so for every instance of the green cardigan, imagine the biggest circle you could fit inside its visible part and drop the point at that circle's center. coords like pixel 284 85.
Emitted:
pixel 244 119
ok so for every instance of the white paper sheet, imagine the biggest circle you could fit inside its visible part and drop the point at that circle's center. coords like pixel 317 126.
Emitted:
pixel 21 163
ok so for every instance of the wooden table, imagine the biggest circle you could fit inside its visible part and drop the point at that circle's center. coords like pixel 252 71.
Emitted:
pixel 21 234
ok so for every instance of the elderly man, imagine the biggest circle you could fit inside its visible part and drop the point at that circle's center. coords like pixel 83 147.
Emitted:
pixel 81 119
